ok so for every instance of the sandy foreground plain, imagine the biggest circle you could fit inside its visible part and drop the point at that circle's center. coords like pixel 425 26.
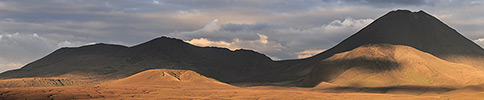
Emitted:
pixel 163 84
pixel 175 92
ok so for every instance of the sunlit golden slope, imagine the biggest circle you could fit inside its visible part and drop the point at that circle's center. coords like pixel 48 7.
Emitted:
pixel 383 65
pixel 169 78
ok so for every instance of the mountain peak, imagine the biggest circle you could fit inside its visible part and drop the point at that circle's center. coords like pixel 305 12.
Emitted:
pixel 407 14
pixel 164 41
pixel 416 29
pixel 401 11
pixel 407 11
pixel 95 46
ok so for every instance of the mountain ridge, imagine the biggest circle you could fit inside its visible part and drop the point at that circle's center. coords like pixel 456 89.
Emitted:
pixel 121 61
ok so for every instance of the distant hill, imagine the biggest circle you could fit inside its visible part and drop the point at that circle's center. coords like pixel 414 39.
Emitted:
pixel 385 65
pixel 107 61
pixel 169 77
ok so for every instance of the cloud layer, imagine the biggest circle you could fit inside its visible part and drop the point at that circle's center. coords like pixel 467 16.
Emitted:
pixel 281 29
pixel 277 41
pixel 18 49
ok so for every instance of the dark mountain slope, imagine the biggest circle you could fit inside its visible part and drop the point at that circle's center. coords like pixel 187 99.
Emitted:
pixel 105 61
pixel 416 29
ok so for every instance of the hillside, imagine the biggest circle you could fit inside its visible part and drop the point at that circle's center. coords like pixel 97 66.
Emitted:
pixel 385 65
pixel 110 62
pixel 168 78
pixel 418 30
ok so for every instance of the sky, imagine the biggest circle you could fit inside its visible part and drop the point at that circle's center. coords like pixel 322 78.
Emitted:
pixel 281 29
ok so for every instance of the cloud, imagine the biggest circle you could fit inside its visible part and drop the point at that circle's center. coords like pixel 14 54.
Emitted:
pixel 261 45
pixel 18 49
pixel 480 42
pixel 308 53
pixel 156 2
pixel 203 42
pixel 350 23
pixel 212 26
pixel 72 44
pixel 277 41
pixel 8 66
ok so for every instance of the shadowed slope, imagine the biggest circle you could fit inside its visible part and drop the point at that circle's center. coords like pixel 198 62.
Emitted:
pixel 108 62
pixel 89 59
pixel 384 65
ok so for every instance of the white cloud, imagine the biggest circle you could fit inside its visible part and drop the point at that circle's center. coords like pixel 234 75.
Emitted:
pixel 261 45
pixel 480 42
pixel 308 53
pixel 203 42
pixel 262 38
pixel 348 23
pixel 212 26
pixel 4 66
pixel 278 41
pixel 156 2
pixel 72 44
pixel 8 66
pixel 18 49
